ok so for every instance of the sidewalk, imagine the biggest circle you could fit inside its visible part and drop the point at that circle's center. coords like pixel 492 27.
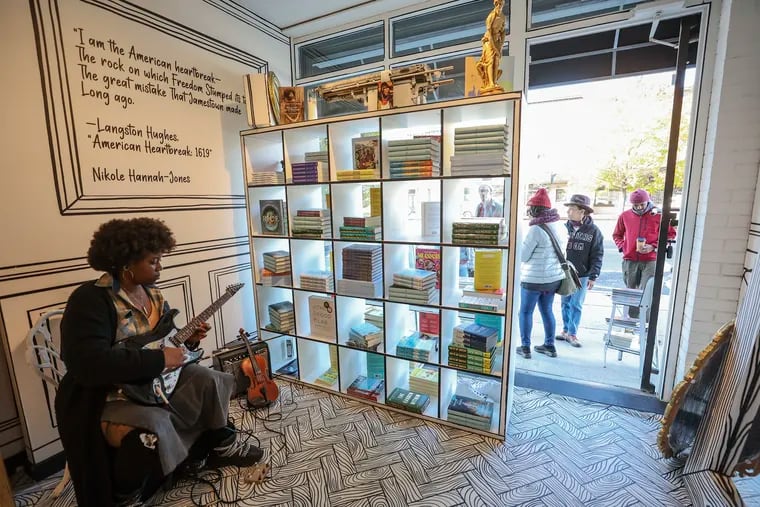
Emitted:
pixel 585 362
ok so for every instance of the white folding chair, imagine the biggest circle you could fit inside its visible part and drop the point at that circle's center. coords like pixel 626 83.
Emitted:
pixel 42 354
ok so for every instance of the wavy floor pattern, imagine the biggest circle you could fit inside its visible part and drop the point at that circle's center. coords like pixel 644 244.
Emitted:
pixel 326 450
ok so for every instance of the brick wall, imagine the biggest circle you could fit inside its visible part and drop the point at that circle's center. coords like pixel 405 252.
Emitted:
pixel 729 179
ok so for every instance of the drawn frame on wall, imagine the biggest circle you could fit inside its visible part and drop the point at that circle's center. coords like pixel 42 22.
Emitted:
pixel 54 80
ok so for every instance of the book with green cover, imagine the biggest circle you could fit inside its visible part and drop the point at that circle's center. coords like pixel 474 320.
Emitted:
pixel 477 409
pixel 408 400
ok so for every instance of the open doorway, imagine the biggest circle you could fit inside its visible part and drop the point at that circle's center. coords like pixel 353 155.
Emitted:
pixel 604 137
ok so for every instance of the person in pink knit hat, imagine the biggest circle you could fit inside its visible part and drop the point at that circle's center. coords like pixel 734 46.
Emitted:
pixel 636 235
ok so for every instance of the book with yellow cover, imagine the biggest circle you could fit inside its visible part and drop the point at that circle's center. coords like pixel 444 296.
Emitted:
pixel 488 267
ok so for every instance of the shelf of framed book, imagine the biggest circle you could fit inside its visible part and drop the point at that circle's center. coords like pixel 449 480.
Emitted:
pixel 268 211
pixel 318 363
pixel 315 316
pixel 354 149
pixel 362 374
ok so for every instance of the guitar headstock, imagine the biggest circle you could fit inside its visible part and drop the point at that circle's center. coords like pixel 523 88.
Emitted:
pixel 232 289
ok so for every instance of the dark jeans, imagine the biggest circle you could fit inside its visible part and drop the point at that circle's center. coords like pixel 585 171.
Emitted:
pixel 528 300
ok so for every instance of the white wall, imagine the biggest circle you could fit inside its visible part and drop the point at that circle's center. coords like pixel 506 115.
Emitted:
pixel 729 180
pixel 53 199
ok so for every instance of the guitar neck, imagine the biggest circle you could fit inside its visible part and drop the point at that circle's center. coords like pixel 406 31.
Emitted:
pixel 188 330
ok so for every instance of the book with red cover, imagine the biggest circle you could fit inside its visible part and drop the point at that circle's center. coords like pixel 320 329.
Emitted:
pixel 429 259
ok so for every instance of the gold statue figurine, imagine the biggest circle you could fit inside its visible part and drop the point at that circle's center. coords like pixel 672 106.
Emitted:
pixel 493 41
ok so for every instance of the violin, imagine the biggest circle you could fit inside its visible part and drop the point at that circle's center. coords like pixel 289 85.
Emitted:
pixel 262 391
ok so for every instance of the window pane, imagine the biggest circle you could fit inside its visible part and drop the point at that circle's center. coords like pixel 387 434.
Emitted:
pixel 341 52
pixel 551 12
pixel 442 28
pixel 453 90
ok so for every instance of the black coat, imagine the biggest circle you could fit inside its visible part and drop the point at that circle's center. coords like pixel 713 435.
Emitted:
pixel 88 330
pixel 585 248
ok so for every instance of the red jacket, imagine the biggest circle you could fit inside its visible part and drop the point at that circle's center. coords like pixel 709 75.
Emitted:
pixel 631 226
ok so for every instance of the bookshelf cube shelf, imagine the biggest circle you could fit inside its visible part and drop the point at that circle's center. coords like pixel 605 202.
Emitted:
pixel 390 280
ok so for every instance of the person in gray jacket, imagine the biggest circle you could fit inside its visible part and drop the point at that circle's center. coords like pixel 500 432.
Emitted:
pixel 541 273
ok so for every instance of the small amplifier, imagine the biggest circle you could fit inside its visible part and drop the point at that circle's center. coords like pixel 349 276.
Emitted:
pixel 228 360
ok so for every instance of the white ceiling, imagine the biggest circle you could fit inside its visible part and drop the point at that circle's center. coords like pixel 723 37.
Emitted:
pixel 298 18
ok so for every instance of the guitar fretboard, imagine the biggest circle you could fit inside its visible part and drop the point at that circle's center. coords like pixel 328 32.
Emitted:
pixel 190 328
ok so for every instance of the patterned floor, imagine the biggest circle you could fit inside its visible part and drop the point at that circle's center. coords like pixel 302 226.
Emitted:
pixel 327 450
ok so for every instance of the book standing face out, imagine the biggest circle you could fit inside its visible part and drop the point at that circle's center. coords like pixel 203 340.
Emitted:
pixel 291 104
pixel 366 152
pixel 274 218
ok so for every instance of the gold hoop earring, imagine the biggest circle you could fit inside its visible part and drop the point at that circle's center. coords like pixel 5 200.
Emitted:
pixel 131 275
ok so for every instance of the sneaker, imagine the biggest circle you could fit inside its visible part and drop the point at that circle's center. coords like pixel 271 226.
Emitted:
pixel 133 499
pixel 549 350
pixel 192 466
pixel 573 340
pixel 524 351
pixel 239 453
pixel 562 336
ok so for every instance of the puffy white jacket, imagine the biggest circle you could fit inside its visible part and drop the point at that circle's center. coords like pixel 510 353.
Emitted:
pixel 539 259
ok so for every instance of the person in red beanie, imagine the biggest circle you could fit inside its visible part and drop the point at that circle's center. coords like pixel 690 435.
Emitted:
pixel 540 273
pixel 636 235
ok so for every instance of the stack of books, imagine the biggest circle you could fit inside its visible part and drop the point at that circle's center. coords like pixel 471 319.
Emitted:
pixel 312 223
pixel 281 317
pixel 329 378
pixel 316 156
pixel 365 336
pixel 414 158
pixel 357 174
pixel 477 231
pixel 429 259
pixel 480 151
pixel 362 270
pixel 490 300
pixel 362 228
pixel 276 269
pixel 486 303
pixel 408 400
pixel 266 178
pixel 374 315
pixel 321 281
pixel 367 388
pixel 415 286
pixel 470 412
pixel 308 172
pixel 424 379
pixel 473 348
pixel 417 347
